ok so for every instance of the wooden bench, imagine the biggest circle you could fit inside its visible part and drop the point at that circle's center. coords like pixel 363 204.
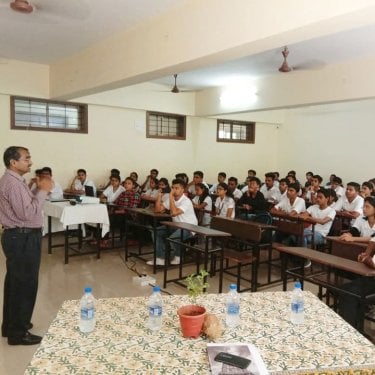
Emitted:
pixel 333 264
pixel 249 238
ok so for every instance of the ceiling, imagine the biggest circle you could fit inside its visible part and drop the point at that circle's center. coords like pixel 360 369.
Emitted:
pixel 61 28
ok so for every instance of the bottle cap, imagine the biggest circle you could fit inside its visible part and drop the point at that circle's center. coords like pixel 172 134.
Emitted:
pixel 297 285
pixel 156 288
pixel 88 289
pixel 233 287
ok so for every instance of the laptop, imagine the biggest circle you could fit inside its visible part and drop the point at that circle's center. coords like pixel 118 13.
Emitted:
pixel 89 191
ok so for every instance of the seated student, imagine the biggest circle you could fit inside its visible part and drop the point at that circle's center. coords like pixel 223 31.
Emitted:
pixel 283 188
pixel 113 191
pixel 182 176
pixel 134 177
pixel 197 179
pixel 80 181
pixel 232 188
pixel 277 178
pixel 253 200
pixel 220 178
pixel 367 189
pixel 202 204
pixel 57 191
pixel 336 185
pixel 309 176
pixel 244 186
pixel 311 192
pixel 363 228
pixel 330 181
pixel 150 195
pixel 332 197
pixel 224 204
pixel 270 192
pixel 292 206
pixel 153 174
pixel 114 172
pixel 129 198
pixel 349 306
pixel 164 189
pixel 181 210
pixel 352 203
pixel 321 215
pixel 32 182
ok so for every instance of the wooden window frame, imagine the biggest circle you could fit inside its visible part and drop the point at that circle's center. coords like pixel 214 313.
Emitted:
pixel 82 108
pixel 250 131
pixel 177 117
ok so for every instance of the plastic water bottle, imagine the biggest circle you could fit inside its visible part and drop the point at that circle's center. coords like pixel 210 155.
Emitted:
pixel 297 313
pixel 155 315
pixel 87 312
pixel 232 316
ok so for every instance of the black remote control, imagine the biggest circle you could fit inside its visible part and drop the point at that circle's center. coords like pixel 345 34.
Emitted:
pixel 232 360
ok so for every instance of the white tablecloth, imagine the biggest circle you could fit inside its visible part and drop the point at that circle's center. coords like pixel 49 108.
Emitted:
pixel 78 214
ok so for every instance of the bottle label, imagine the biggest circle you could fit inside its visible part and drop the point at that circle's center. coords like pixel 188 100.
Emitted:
pixel 87 314
pixel 233 308
pixel 156 310
pixel 297 307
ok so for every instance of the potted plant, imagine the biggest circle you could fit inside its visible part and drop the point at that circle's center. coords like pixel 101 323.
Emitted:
pixel 192 316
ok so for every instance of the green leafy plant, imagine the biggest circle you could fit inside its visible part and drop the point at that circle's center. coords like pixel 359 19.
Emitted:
pixel 196 283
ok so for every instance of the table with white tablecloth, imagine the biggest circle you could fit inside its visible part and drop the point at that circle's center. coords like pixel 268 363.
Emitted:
pixel 71 215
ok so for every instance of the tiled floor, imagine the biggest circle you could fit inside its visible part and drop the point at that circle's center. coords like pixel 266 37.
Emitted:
pixel 109 277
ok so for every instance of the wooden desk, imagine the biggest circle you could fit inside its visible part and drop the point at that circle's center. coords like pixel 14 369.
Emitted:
pixel 140 217
pixel 75 215
pixel 207 234
pixel 334 263
pixel 121 343
pixel 345 249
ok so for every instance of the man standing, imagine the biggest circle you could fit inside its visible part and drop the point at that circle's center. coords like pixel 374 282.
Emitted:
pixel 22 220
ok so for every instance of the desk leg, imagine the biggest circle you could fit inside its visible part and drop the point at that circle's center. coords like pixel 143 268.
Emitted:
pixel 98 237
pixel 284 276
pixel 155 229
pixel 221 267
pixel 362 305
pixel 49 235
pixel 166 264
pixel 66 244
pixel 126 240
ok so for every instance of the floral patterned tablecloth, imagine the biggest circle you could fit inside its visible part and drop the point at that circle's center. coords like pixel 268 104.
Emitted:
pixel 121 343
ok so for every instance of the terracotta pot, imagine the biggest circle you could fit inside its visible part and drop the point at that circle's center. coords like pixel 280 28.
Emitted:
pixel 191 320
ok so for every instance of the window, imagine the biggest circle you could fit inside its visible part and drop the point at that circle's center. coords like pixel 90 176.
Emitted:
pixel 166 126
pixel 235 131
pixel 47 115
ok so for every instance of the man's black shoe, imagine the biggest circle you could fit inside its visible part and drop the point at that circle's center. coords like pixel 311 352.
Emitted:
pixel 27 339
pixel 29 326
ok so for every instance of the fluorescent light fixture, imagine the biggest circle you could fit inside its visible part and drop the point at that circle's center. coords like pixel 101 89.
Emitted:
pixel 238 96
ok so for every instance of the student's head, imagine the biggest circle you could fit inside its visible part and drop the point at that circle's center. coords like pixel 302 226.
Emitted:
pixel 322 198
pixel 134 176
pixel 269 179
pixel 293 173
pixel 115 171
pixel 201 190
pixel 276 175
pixel 332 196
pixel 164 185
pixel 115 180
pixel 221 176
pixel 222 189
pixel 154 172
pixel 153 182
pixel 331 177
pixel 254 184
pixel 283 185
pixel 232 183
pixel 335 182
pixel 316 180
pixel 251 173
pixel 369 207
pixel 81 173
pixel 128 183
pixel 178 187
pixel 38 172
pixel 46 171
pixel 197 177
pixel 182 176
pixel 367 189
pixel 309 176
pixel 293 190
pixel 291 178
pixel 352 190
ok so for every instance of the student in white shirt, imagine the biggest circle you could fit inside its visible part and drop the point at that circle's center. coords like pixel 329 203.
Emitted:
pixel 224 204
pixel 363 228
pixel 151 194
pixel 202 204
pixel 220 178
pixel 80 181
pixel 270 192
pixel 113 191
pixel 197 179
pixel 57 192
pixel 336 185
pixel 322 216
pixel 367 189
pixel 232 188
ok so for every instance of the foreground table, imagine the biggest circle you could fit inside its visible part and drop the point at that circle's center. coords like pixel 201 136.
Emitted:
pixel 121 344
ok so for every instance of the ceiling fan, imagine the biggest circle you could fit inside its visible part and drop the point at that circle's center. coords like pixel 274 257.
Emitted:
pixel 175 89
pixel 285 68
